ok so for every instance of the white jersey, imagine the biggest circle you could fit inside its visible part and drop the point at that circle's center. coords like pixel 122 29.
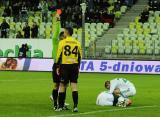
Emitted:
pixel 126 87
pixel 105 99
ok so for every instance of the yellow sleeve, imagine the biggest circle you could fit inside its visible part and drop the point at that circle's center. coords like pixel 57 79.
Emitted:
pixel 80 51
pixel 79 54
pixel 59 51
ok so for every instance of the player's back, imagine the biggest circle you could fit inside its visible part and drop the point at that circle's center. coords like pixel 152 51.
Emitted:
pixel 71 51
pixel 122 82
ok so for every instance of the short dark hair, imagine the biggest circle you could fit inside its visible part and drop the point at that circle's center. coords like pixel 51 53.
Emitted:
pixel 23 45
pixel 70 30
pixel 61 34
pixel 106 83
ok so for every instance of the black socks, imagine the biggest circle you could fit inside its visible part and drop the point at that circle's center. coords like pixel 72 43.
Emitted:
pixel 75 98
pixel 55 96
pixel 115 99
pixel 61 99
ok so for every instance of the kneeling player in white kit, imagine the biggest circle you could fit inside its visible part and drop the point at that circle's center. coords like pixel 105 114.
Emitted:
pixel 127 88
pixel 108 99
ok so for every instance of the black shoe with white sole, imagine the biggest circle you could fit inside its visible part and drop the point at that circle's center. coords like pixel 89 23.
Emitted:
pixel 75 109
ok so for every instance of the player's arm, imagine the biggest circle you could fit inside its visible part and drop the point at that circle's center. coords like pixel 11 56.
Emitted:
pixel 56 27
pixel 112 86
pixel 79 54
pixel 59 52
pixel 117 91
pixel 59 56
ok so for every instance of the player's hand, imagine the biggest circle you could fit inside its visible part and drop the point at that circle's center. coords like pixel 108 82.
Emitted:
pixel 58 71
pixel 117 91
pixel 57 17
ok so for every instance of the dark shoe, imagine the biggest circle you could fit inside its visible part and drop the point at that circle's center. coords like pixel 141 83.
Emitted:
pixel 75 109
pixel 65 108
pixel 58 109
pixel 55 108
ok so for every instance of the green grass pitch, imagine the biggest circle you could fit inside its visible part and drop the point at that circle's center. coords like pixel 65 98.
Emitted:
pixel 26 94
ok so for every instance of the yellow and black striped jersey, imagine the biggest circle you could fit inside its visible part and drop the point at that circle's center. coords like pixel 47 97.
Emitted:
pixel 69 51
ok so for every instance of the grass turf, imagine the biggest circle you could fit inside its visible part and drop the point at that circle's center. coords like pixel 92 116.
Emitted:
pixel 26 94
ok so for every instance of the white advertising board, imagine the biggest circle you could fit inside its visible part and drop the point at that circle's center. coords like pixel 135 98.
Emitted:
pixel 38 48
pixel 98 66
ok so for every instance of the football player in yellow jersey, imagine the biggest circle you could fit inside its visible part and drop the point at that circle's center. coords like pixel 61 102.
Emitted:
pixel 68 58
pixel 57 36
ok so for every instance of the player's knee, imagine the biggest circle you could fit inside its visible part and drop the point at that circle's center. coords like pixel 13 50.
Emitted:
pixel 74 86
pixel 56 86
pixel 62 87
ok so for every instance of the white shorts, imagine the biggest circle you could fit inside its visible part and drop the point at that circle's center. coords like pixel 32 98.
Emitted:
pixel 130 91
pixel 105 99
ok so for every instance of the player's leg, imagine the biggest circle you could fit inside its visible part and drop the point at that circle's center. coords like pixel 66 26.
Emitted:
pixel 63 86
pixel 55 95
pixel 56 81
pixel 61 97
pixel 65 104
pixel 56 86
pixel 73 80
pixel 74 96
pixel 115 101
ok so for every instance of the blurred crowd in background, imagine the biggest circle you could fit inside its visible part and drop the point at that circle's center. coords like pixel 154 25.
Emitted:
pixel 71 10
pixel 97 11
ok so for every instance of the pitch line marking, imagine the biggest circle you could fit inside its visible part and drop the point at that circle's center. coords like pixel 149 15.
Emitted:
pixel 24 80
pixel 100 111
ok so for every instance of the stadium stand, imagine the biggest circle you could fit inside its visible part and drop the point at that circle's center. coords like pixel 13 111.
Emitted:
pixel 140 39
pixel 102 19
pixel 100 16
pixel 22 11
